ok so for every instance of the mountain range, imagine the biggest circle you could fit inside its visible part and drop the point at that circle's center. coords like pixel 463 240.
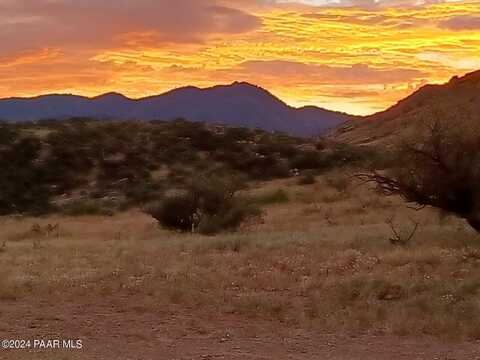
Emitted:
pixel 459 98
pixel 237 104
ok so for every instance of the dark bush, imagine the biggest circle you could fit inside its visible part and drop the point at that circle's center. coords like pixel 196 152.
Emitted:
pixel 23 182
pixel 181 152
pixel 238 134
pixel 205 140
pixel 307 159
pixel 230 220
pixel 7 134
pixel 142 192
pixel 179 212
pixel 205 206
pixel 279 144
pixel 307 179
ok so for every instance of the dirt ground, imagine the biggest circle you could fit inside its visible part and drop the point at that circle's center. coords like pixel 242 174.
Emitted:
pixel 116 329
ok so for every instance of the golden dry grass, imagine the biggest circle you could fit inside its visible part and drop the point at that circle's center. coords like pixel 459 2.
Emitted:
pixel 322 260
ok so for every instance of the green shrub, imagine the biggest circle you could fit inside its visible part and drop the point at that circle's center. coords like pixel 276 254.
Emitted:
pixel 207 207
pixel 230 220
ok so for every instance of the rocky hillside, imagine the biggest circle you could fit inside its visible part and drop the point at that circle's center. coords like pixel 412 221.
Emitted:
pixel 460 97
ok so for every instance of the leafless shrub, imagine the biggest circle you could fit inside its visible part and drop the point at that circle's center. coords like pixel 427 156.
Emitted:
pixel 439 167
pixel 39 231
pixel 52 230
pixel 400 238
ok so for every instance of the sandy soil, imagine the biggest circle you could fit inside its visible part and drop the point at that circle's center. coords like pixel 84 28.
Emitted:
pixel 117 329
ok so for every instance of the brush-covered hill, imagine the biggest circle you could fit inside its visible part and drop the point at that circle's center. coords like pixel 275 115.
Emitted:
pixel 459 98
pixel 238 104
pixel 90 164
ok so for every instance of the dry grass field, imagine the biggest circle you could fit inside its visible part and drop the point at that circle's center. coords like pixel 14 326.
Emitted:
pixel 318 278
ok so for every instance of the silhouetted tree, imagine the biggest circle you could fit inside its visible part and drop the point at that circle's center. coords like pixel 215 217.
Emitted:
pixel 438 167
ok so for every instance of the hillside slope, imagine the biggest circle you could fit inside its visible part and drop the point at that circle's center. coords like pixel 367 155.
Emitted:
pixel 238 104
pixel 460 97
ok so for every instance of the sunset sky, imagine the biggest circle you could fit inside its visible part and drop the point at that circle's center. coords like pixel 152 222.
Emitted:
pixel 357 56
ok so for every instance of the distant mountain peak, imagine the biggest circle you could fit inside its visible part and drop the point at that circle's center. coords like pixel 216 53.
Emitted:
pixel 236 85
pixel 244 84
pixel 111 95
pixel 237 104
pixel 189 87
pixel 243 87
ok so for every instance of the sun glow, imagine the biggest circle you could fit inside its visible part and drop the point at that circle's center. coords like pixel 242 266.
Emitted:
pixel 347 58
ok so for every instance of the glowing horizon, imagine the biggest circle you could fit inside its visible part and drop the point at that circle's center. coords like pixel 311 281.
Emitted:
pixel 355 56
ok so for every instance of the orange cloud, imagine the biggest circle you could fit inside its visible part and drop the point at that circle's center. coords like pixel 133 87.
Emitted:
pixel 465 22
pixel 30 57
pixel 349 55
pixel 26 24
pixel 326 74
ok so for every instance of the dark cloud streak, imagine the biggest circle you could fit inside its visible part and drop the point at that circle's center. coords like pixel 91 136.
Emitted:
pixel 459 23
pixel 28 24
pixel 354 74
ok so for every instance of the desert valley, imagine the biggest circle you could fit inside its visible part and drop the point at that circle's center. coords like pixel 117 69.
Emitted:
pixel 202 241
pixel 240 180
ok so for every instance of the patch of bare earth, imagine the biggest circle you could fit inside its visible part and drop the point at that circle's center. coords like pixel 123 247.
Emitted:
pixel 116 329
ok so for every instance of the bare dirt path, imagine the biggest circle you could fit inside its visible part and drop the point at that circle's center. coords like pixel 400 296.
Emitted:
pixel 121 330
